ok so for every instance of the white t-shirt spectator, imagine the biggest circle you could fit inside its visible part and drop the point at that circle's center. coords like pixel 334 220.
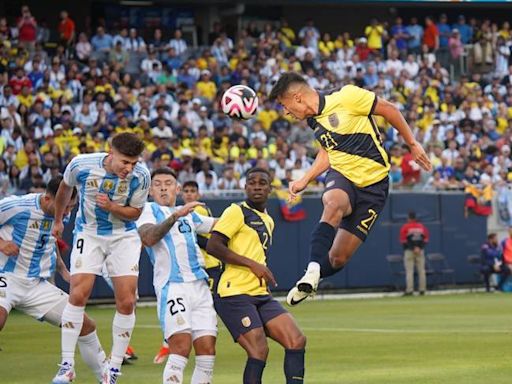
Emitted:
pixel 179 45
pixel 165 133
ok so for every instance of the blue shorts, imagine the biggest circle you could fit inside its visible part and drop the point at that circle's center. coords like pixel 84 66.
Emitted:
pixel 241 313
pixel 214 274
pixel 367 202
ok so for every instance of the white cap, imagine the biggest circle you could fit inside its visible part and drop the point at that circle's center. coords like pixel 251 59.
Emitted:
pixel 505 148
pixel 77 131
pixel 187 152
pixel 196 100
pixel 58 126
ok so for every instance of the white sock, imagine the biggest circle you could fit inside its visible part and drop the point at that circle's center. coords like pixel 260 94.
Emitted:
pixel 203 371
pixel 92 353
pixel 122 328
pixel 313 266
pixel 71 323
pixel 173 371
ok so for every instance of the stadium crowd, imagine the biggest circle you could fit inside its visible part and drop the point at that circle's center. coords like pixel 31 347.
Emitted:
pixel 58 100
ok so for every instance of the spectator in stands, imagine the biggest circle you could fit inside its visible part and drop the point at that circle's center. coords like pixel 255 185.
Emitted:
pixel 466 32
pixel 431 35
pixel 491 263
pixel 415 36
pixel 179 45
pixel 83 48
pixel 134 43
pixel 66 29
pixel 27 29
pixel 414 236
pixel 375 33
pixel 102 42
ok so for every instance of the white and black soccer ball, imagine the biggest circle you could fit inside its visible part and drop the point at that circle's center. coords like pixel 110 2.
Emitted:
pixel 240 102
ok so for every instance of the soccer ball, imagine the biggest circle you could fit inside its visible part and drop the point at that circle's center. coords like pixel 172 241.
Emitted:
pixel 239 102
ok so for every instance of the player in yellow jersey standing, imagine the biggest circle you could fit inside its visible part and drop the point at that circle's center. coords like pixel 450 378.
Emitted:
pixel 241 239
pixel 356 187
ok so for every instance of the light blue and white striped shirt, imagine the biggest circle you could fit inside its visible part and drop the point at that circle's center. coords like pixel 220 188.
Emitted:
pixel 23 222
pixel 176 258
pixel 88 174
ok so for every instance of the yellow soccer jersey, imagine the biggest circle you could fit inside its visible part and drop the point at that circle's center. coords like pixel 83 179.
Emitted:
pixel 345 129
pixel 250 234
pixel 209 260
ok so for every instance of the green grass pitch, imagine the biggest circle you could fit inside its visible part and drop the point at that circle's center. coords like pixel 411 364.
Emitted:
pixel 419 340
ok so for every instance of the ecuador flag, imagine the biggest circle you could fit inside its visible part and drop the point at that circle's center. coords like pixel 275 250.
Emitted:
pixel 479 200
pixel 291 211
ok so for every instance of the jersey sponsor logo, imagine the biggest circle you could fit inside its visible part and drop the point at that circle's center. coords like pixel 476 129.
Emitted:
pixel 68 325
pixel 92 184
pixel 123 187
pixel 124 335
pixel 107 185
pixel 135 268
pixel 333 120
pixel 246 322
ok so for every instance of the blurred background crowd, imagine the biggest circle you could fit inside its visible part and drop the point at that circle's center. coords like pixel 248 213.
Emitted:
pixel 452 79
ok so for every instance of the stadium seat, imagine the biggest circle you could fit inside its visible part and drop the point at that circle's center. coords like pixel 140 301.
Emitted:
pixel 396 266
pixel 441 271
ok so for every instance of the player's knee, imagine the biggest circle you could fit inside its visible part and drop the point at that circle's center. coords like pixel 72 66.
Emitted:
pixel 126 305
pixel 78 298
pixel 88 326
pixel 180 346
pixel 298 342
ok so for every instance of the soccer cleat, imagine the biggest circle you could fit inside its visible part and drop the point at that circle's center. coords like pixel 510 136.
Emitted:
pixel 65 375
pixel 162 354
pixel 110 376
pixel 304 288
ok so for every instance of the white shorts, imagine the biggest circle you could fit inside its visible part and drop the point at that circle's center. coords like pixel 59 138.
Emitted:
pixel 119 252
pixel 186 308
pixel 36 297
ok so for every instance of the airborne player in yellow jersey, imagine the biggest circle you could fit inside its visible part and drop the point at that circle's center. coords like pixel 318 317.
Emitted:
pixel 356 187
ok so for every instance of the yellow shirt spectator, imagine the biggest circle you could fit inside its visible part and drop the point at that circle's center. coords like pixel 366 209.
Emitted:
pixel 374 35
pixel 267 117
pixel 206 89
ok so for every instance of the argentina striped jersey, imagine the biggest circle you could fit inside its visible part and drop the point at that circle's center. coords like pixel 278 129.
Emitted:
pixel 176 258
pixel 88 174
pixel 23 222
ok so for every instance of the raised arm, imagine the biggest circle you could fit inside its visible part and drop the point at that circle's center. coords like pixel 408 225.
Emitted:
pixel 150 234
pixel 393 115
pixel 319 166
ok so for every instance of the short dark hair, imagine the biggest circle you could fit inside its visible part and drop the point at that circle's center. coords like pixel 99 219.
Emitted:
pixel 191 183
pixel 412 215
pixel 491 236
pixel 128 144
pixel 53 186
pixel 283 84
pixel 258 170
pixel 164 171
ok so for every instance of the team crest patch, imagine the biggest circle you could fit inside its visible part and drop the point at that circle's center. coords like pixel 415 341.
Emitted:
pixel 333 120
pixel 123 187
pixel 46 225
pixel 107 185
pixel 246 322
pixel 180 320
pixel 78 263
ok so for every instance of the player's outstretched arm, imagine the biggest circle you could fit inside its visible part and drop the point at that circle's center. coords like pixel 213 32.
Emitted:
pixel 319 166
pixel 393 115
pixel 61 202
pixel 218 247
pixel 150 234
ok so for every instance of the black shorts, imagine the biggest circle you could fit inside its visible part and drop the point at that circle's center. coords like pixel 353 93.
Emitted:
pixel 241 313
pixel 214 277
pixel 367 203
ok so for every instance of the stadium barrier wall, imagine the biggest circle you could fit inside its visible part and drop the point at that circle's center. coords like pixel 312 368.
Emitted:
pixel 452 234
